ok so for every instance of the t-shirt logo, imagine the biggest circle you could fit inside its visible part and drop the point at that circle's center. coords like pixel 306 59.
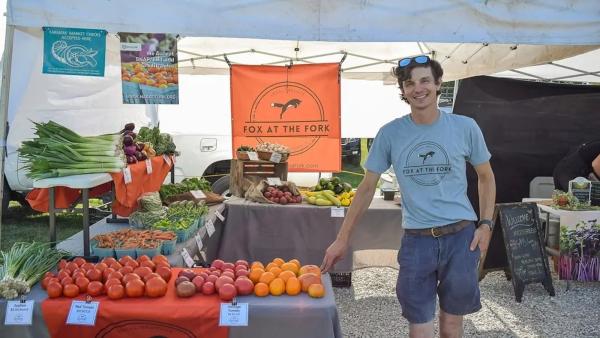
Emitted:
pixel 426 164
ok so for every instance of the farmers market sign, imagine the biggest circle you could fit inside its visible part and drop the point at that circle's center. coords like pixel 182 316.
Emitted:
pixel 296 106
pixel 74 51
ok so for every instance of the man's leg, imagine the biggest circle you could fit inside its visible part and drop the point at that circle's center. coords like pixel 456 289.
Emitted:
pixel 424 330
pixel 451 326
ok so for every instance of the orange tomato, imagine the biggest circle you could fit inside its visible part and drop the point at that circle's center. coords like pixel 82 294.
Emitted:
pixel 116 291
pixel 156 287
pixel 134 288
pixel 54 290
pixel 95 288
pixel 71 290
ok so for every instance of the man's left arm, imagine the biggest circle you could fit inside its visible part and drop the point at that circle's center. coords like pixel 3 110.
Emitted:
pixel 486 185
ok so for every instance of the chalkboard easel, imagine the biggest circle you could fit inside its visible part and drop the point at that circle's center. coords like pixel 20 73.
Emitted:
pixel 517 247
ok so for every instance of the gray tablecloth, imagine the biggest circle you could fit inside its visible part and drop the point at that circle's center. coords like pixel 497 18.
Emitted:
pixel 284 316
pixel 262 232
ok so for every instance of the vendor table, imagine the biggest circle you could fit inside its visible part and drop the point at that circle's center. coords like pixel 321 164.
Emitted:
pixel 284 316
pixel 254 231
pixel 83 182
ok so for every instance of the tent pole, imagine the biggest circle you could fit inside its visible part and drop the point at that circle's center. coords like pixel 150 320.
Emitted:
pixel 4 95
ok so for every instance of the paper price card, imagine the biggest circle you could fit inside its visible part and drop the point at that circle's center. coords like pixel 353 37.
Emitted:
pixel 127 175
pixel 167 159
pixel 274 181
pixel 253 156
pixel 199 242
pixel 18 313
pixel 337 212
pixel 219 215
pixel 148 166
pixel 234 315
pixel 83 313
pixel 210 227
pixel 198 194
pixel 189 261
pixel 275 157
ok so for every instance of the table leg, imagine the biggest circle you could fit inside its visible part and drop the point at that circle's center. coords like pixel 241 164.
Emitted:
pixel 52 217
pixel 86 221
pixel 113 217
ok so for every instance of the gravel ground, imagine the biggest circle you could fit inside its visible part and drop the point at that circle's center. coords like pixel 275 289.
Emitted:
pixel 370 308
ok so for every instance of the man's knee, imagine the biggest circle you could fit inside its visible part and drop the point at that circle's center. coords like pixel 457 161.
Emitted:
pixel 451 326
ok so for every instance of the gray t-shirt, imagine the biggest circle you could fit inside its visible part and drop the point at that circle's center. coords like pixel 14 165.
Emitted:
pixel 430 165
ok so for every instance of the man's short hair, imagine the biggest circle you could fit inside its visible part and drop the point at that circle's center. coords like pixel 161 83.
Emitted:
pixel 404 73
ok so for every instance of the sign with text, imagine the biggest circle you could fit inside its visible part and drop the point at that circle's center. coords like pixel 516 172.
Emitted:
pixel 149 71
pixel 524 247
pixel 297 106
pixel 18 313
pixel 233 315
pixel 74 51
pixel 83 313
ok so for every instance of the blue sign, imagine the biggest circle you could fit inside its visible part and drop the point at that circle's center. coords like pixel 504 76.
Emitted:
pixel 74 51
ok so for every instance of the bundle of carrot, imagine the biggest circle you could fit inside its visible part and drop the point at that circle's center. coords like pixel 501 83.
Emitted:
pixel 58 151
pixel 131 239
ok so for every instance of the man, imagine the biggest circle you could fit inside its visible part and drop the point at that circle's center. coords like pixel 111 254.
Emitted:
pixel 583 162
pixel 441 245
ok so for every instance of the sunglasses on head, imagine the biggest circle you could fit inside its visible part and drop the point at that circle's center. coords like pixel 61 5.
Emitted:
pixel 421 59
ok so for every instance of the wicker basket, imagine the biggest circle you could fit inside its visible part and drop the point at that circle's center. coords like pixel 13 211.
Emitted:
pixel 266 156
pixel 242 155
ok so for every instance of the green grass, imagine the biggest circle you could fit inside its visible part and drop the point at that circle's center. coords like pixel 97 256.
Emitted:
pixel 25 225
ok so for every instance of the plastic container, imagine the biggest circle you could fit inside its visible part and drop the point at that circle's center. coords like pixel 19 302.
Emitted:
pixel 103 252
pixel 182 235
pixel 120 252
pixel 149 252
pixel 168 247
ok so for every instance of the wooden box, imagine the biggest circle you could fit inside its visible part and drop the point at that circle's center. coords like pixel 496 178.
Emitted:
pixel 245 173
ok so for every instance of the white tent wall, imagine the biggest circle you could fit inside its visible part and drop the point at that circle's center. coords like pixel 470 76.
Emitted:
pixel 89 105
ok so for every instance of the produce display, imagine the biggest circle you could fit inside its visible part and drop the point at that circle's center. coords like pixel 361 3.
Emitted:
pixel 132 239
pixel 159 77
pixel 566 201
pixel 188 184
pixel 272 148
pixel 322 192
pixel 149 212
pixel 580 252
pixel 161 142
pixel 58 151
pixel 281 195
pixel 25 264
pixel 245 148
pixel 135 151
pixel 117 279
pixel 229 280
pixel 183 218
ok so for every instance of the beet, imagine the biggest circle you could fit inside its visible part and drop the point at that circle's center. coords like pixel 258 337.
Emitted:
pixel 129 126
pixel 128 141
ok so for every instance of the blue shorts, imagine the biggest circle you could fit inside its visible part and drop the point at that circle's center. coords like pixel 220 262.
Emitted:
pixel 444 266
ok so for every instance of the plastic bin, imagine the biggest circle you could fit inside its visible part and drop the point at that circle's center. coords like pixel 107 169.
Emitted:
pixel 149 252
pixel 120 252
pixel 168 247
pixel 103 252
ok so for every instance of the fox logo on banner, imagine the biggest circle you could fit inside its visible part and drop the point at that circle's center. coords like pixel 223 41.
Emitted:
pixel 296 106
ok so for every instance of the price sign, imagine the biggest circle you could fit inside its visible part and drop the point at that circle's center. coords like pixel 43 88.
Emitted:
pixel 198 194
pixel 275 157
pixel 18 313
pixel 274 181
pixel 337 212
pixel 210 227
pixel 127 175
pixel 253 156
pixel 234 315
pixel 219 216
pixel 167 159
pixel 189 261
pixel 83 313
pixel 148 166
pixel 199 242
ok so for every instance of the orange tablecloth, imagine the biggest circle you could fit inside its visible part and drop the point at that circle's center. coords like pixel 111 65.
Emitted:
pixel 126 194
pixel 168 316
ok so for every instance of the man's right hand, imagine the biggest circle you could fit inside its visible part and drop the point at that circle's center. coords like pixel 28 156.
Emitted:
pixel 334 253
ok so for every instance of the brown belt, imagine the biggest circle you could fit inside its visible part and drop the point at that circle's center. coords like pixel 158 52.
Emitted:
pixel 439 231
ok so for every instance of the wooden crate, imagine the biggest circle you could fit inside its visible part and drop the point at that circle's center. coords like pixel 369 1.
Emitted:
pixel 245 173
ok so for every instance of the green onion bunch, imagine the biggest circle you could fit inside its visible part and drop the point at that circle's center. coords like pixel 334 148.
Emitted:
pixel 24 265
pixel 58 151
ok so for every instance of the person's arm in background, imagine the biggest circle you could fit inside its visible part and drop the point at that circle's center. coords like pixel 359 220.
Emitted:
pixel 486 185
pixel 360 203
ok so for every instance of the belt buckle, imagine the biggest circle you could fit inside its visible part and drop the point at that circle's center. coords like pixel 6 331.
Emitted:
pixel 433 233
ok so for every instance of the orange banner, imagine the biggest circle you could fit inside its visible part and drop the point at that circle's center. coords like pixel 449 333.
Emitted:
pixel 297 106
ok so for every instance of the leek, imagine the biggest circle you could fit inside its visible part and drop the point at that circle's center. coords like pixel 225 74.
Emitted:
pixel 58 151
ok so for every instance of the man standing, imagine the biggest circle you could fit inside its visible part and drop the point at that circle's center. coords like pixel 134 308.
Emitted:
pixel 441 245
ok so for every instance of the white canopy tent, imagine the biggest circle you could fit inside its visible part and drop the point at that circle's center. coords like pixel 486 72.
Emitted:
pixel 469 37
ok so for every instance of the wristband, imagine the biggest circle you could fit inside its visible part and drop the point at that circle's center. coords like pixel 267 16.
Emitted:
pixel 487 222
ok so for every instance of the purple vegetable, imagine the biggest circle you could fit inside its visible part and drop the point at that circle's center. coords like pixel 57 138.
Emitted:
pixel 130 150
pixel 140 156
pixel 128 141
pixel 140 146
pixel 130 133
pixel 129 126
pixel 131 159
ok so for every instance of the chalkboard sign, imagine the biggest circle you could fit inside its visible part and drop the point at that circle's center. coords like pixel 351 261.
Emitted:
pixel 524 248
